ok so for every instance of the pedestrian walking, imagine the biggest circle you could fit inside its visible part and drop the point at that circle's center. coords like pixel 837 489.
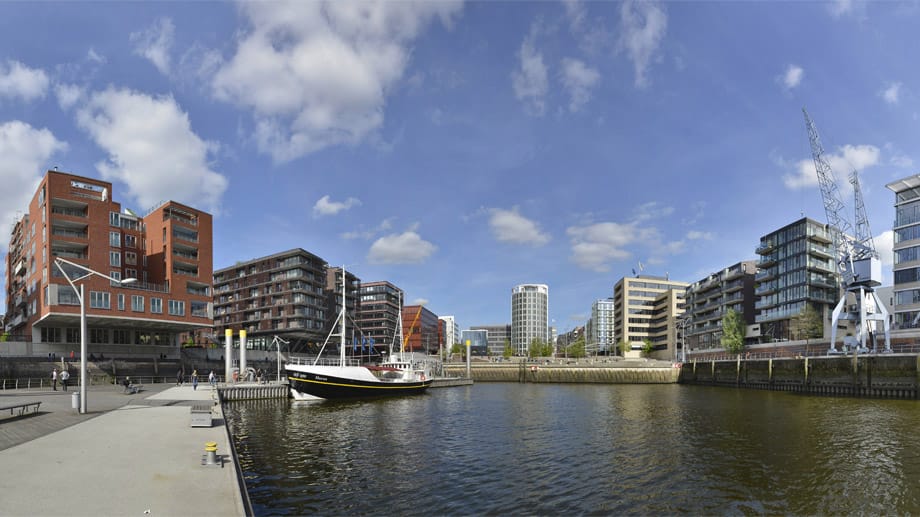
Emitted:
pixel 195 380
pixel 179 377
pixel 65 376
pixel 212 379
pixel 54 379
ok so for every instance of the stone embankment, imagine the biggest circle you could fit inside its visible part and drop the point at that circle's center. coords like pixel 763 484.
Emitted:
pixel 601 372
pixel 874 375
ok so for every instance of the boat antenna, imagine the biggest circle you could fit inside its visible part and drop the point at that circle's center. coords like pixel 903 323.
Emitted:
pixel 342 315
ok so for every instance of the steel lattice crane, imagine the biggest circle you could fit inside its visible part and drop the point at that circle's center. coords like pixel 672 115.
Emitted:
pixel 857 260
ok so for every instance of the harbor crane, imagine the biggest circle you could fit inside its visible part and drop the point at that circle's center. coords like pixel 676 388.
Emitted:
pixel 858 264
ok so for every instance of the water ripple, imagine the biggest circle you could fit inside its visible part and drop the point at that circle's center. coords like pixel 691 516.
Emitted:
pixel 499 449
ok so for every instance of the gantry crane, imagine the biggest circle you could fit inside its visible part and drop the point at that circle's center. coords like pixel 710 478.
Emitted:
pixel 857 260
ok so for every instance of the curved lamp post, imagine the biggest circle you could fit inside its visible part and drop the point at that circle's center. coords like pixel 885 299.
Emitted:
pixel 79 292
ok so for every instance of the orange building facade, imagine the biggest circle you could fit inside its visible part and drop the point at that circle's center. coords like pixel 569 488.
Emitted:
pixel 168 251
pixel 420 329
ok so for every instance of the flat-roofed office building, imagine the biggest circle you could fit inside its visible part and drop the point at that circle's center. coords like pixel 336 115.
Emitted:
pixel 529 316
pixel 646 308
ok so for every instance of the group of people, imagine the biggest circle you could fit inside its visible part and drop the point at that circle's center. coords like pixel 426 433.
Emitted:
pixel 63 376
pixel 212 378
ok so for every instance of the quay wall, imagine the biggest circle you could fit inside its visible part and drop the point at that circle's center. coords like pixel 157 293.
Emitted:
pixel 877 376
pixel 614 373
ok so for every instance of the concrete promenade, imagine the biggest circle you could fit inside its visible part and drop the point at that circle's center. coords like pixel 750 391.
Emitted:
pixel 129 455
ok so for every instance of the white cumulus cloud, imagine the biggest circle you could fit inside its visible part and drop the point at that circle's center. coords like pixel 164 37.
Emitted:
pixel 595 246
pixel 325 206
pixel 400 248
pixel 25 151
pixel 152 149
pixel 892 93
pixel 317 74
pixel 643 26
pixel 68 95
pixel 793 76
pixel 848 158
pixel 578 79
pixel 695 235
pixel 511 226
pixel 19 81
pixel 155 44
pixel 529 80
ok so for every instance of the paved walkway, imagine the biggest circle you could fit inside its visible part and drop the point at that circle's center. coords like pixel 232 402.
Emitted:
pixel 129 455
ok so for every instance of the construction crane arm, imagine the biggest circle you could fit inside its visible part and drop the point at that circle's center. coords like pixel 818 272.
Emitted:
pixel 412 327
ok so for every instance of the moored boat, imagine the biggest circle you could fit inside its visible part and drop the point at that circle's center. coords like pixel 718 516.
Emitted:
pixel 347 379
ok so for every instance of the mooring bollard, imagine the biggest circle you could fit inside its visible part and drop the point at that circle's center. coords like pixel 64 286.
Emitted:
pixel 211 449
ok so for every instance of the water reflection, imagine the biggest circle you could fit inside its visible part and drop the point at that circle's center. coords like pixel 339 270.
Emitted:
pixel 589 449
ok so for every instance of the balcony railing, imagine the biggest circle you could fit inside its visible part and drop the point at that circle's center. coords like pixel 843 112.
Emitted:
pixel 73 212
pixel 68 233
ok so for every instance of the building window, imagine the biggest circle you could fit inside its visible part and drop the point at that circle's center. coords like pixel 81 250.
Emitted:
pixel 176 308
pixel 99 300
pixel 121 302
pixel 98 336
pixel 131 273
pixel 114 219
pixel 156 305
pixel 130 258
pixel 130 241
pixel 115 258
pixel 115 239
pixel 72 335
pixel 117 276
pixel 121 337
pixel 137 303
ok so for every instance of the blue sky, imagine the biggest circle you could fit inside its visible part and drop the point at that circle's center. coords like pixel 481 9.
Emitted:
pixel 459 149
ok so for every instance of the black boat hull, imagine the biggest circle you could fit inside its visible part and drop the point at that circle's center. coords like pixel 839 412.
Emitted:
pixel 310 385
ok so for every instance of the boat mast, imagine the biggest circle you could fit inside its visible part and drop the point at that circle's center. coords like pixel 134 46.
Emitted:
pixel 342 315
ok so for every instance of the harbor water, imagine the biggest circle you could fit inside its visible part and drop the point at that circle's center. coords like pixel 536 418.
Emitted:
pixel 547 449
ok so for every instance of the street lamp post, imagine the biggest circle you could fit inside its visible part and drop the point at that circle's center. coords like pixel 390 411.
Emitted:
pixel 89 272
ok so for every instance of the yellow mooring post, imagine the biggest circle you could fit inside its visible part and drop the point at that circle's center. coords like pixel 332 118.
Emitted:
pixel 210 448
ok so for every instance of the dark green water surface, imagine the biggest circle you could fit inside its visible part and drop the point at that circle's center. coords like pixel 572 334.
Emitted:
pixel 533 449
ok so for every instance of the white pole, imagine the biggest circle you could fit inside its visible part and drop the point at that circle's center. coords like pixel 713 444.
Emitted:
pixel 82 351
pixel 228 355
pixel 278 342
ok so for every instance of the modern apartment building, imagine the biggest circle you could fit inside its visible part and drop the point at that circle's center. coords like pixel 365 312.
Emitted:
pixel 379 311
pixel 600 337
pixel 451 331
pixel 420 328
pixel 647 307
pixel 277 295
pixel 529 316
pixel 479 341
pixel 709 300
pixel 168 251
pixel 497 337
pixel 906 253
pixel 797 266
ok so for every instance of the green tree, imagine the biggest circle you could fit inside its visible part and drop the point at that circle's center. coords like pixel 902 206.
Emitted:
pixel 577 348
pixel 508 351
pixel 457 349
pixel 807 324
pixel 733 332
pixel 647 347
pixel 623 347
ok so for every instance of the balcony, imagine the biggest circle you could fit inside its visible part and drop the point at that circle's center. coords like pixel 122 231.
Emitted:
pixel 69 211
pixel 765 274
pixel 765 247
pixel 20 268
pixel 767 260
pixel 820 235
pixel 821 251
pixel 766 288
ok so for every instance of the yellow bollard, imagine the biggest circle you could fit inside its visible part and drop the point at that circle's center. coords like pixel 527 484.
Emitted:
pixel 211 449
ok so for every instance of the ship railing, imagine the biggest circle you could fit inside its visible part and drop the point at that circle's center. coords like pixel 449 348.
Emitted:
pixel 323 361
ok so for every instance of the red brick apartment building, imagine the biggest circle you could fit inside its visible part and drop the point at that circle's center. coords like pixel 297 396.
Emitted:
pixel 168 251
